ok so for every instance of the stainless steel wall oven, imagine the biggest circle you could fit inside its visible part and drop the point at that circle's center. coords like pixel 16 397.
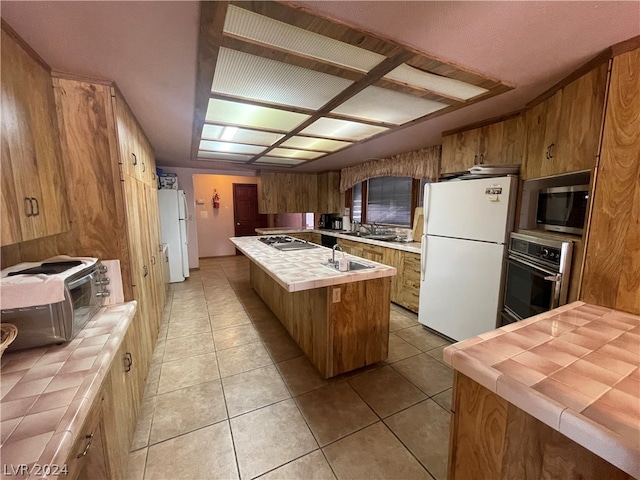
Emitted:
pixel 537 276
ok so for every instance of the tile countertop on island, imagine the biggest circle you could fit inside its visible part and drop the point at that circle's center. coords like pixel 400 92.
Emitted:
pixel 574 368
pixel 302 269
pixel 47 391
pixel 413 247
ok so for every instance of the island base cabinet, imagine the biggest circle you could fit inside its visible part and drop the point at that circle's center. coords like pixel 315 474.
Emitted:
pixel 493 439
pixel 340 328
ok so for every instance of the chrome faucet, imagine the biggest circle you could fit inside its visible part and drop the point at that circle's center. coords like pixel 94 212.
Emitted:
pixel 333 255
pixel 371 230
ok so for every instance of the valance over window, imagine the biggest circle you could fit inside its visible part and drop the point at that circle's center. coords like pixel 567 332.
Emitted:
pixel 420 164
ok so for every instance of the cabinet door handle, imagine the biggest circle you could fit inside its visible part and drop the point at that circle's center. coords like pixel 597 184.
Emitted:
pixel 146 270
pixel 481 158
pixel 153 259
pixel 144 167
pixel 86 449
pixel 551 150
pixel 135 159
pixel 475 159
pixel 37 212
pixel 28 207
pixel 128 362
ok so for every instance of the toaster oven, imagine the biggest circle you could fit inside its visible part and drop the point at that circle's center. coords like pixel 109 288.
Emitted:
pixel 85 286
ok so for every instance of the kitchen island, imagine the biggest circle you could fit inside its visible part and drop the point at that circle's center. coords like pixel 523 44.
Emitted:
pixel 340 320
pixel 553 396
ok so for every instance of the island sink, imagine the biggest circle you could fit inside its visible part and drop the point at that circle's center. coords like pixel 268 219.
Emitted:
pixel 352 266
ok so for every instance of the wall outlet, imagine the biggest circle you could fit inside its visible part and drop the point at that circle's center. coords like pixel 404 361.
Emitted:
pixel 336 295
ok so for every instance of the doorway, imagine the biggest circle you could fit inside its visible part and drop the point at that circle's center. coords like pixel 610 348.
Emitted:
pixel 245 210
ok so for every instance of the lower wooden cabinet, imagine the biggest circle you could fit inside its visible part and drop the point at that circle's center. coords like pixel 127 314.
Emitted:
pixel 405 285
pixel 101 450
pixel 492 438
pixel 89 458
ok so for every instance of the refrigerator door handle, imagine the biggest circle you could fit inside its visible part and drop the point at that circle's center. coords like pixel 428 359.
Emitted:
pixel 423 257
pixel 186 216
pixel 426 204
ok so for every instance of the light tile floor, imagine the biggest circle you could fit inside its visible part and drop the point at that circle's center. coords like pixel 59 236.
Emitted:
pixel 230 395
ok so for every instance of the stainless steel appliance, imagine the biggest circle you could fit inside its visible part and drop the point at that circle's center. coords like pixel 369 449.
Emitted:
pixel 286 243
pixel 563 209
pixel 537 276
pixel 85 286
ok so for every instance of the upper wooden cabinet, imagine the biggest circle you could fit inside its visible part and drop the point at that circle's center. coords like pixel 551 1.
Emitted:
pixel 34 203
pixel 500 142
pixel 328 193
pixel 612 262
pixel 563 132
pixel 288 193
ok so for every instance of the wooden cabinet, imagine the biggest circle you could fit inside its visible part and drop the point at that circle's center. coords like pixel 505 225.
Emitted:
pixel 500 142
pixel 492 438
pixel 34 203
pixel 328 193
pixel 563 132
pixel 308 237
pixel 405 285
pixel 299 192
pixel 612 263
pixel 122 401
pixel 89 458
pixel 287 193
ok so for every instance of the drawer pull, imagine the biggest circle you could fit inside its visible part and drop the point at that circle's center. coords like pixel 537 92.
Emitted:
pixel 128 362
pixel 86 449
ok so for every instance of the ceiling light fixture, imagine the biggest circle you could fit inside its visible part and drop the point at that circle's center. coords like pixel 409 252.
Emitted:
pixel 229 132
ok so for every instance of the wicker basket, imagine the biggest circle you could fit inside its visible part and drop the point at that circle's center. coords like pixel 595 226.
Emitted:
pixel 9 333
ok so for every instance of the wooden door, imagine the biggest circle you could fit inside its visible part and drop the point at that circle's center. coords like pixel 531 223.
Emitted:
pixel 33 187
pixel 534 141
pixel 491 144
pixel 612 264
pixel 245 210
pixel 551 138
pixel 581 113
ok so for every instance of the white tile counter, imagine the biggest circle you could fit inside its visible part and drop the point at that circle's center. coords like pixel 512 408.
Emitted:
pixel 302 269
pixel 47 391
pixel 413 247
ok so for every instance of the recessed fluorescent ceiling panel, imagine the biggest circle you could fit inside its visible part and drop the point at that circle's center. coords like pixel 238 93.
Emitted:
pixel 279 161
pixel 265 30
pixel 249 76
pixel 445 86
pixel 227 157
pixel 342 129
pixel 211 146
pixel 383 105
pixel 242 114
pixel 288 152
pixel 240 135
pixel 318 144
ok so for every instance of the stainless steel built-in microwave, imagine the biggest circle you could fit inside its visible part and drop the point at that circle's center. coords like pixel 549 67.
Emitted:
pixel 563 209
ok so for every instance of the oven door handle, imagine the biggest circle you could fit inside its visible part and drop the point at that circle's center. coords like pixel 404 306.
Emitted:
pixel 539 268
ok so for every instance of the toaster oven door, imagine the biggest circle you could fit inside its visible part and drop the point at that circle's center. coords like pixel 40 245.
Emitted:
pixel 86 295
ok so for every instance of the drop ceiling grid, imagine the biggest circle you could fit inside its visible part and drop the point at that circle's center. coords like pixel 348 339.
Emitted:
pixel 249 76
pixel 241 135
pixel 244 115
pixel 382 105
pixel 265 30
pixel 311 143
pixel 342 129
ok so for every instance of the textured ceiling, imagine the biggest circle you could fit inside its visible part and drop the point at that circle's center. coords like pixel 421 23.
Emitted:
pixel 149 49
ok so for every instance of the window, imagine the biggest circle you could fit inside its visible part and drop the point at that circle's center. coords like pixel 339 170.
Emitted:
pixel 356 204
pixel 389 200
pixel 423 182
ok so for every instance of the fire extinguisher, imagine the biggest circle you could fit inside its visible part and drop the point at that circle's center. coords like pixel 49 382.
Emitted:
pixel 216 199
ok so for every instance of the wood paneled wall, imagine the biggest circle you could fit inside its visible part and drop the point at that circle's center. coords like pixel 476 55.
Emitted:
pixel 612 266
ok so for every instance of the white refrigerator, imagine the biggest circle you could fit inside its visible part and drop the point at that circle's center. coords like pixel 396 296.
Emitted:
pixel 175 232
pixel 466 230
